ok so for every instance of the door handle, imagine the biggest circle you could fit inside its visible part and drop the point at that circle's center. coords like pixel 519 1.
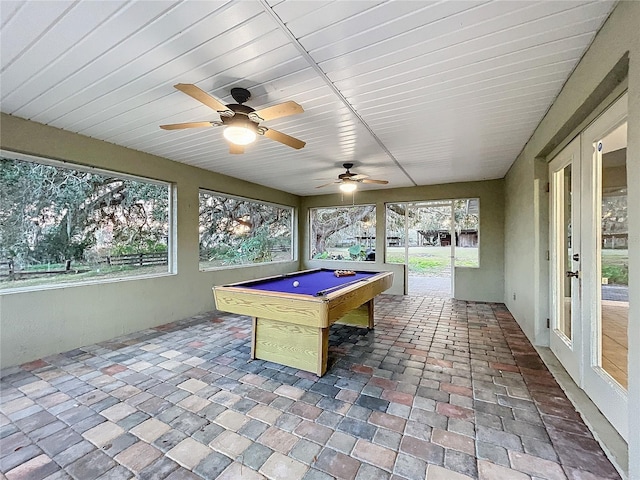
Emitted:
pixel 572 274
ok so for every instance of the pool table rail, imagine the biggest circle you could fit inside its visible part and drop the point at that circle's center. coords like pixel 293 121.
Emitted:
pixel 274 305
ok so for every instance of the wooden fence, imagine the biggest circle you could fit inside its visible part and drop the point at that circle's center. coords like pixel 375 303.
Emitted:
pixel 138 259
pixel 8 268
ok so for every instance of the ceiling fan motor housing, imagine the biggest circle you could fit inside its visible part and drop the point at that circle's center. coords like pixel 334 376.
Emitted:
pixel 240 117
pixel 243 109
pixel 346 175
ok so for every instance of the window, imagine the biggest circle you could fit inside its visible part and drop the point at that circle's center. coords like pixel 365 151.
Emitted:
pixel 420 234
pixel 65 225
pixel 237 231
pixel 343 233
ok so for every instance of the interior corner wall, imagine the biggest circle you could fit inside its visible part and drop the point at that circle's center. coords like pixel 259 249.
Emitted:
pixel 37 323
pixel 526 239
pixel 485 283
pixel 610 65
pixel 519 244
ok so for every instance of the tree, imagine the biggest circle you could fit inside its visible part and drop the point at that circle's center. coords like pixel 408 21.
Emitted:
pixel 241 231
pixel 429 220
pixel 614 214
pixel 51 214
pixel 325 222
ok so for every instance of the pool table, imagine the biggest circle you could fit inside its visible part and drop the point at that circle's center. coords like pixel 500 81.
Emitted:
pixel 291 323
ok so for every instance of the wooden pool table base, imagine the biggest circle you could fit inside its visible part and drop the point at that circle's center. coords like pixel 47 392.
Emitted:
pixel 301 346
pixel 292 329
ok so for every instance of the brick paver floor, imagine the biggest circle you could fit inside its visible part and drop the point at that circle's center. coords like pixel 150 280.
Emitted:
pixel 427 286
pixel 441 389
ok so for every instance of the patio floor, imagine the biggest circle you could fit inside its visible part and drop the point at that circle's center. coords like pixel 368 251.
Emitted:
pixel 429 286
pixel 441 389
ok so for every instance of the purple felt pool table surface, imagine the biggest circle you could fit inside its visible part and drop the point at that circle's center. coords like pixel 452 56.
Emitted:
pixel 314 282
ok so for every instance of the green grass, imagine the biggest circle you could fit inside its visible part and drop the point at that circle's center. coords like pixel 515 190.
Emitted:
pixel 44 267
pixel 615 266
pixel 276 256
pixel 426 261
pixel 103 272
pixel 428 266
pixel 433 261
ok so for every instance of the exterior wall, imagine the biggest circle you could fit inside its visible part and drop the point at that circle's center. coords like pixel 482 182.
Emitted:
pixel 597 80
pixel 526 233
pixel 37 323
pixel 480 284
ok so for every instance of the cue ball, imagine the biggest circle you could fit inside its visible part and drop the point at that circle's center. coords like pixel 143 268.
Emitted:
pixel 296 283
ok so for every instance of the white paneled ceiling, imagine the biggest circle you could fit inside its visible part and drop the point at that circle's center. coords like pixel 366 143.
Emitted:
pixel 414 92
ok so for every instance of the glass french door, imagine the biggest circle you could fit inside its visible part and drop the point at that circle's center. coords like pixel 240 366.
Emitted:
pixel 565 324
pixel 606 272
pixel 589 266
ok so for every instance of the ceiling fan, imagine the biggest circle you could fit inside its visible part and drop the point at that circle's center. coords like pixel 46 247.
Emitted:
pixel 241 123
pixel 348 181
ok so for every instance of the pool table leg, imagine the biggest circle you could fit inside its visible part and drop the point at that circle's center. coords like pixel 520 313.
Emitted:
pixel 297 346
pixel 359 317
pixel 253 337
pixel 323 351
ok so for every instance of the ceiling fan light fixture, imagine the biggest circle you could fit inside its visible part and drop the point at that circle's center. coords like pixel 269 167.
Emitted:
pixel 239 135
pixel 241 123
pixel 348 186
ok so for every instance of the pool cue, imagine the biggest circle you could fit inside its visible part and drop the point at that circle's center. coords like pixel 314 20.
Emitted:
pixel 338 287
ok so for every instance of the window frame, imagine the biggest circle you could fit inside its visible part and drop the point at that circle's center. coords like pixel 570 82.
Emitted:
pixel 294 223
pixel 309 222
pixel 172 233
pixel 417 202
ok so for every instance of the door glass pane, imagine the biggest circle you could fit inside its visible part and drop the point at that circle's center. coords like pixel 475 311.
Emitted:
pixel 420 235
pixel 614 255
pixel 565 254
pixel 430 255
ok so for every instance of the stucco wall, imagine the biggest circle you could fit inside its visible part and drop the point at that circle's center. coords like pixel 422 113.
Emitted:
pixel 595 83
pixel 482 284
pixel 41 322
pixel 518 258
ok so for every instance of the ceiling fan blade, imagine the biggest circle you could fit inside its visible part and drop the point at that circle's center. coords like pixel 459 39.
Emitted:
pixel 178 126
pixel 278 111
pixel 326 184
pixel 236 149
pixel 283 138
pixel 380 182
pixel 202 96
